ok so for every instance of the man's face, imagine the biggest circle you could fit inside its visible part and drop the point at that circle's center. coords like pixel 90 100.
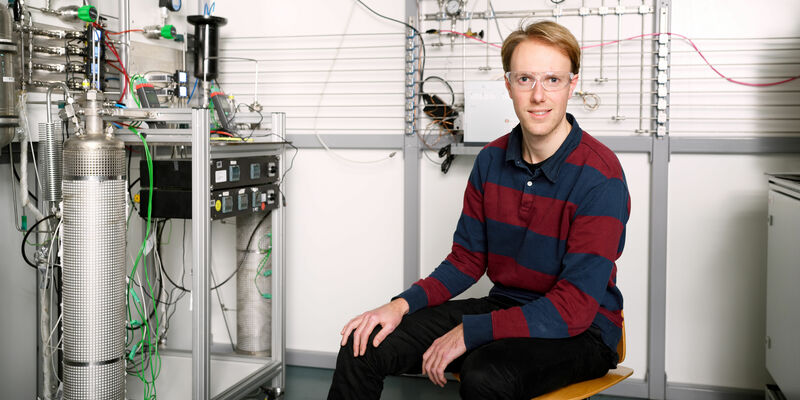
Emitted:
pixel 541 112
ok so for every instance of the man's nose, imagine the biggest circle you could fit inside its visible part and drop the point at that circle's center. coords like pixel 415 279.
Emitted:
pixel 537 93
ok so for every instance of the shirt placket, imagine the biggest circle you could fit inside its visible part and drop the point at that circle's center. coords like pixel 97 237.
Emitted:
pixel 528 187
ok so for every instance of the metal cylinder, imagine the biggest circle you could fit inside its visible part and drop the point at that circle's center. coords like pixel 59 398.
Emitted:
pixel 93 266
pixel 50 148
pixel 253 311
pixel 9 117
pixel 206 45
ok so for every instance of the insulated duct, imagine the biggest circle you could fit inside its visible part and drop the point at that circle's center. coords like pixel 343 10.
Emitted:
pixel 253 310
pixel 93 261
pixel 9 119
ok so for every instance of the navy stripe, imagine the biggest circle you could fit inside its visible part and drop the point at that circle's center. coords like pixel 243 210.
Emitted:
pixel 452 278
pixel 529 249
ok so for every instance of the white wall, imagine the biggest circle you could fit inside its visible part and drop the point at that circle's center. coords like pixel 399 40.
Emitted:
pixel 345 220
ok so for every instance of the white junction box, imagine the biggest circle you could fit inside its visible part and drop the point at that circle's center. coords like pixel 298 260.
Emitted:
pixel 488 111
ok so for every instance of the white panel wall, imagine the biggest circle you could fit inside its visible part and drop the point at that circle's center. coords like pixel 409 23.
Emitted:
pixel 716 268
pixel 344 243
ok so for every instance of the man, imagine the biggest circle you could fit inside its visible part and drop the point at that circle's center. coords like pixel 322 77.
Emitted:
pixel 544 216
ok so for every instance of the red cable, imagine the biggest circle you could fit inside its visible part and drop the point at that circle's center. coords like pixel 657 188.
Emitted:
pixel 731 80
pixel 472 37
pixel 129 30
pixel 124 72
pixel 223 133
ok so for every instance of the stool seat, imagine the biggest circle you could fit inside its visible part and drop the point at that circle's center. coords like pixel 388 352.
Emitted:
pixel 582 390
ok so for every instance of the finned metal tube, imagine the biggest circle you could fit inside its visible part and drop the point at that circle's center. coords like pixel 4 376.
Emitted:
pixel 254 285
pixel 93 265
pixel 50 156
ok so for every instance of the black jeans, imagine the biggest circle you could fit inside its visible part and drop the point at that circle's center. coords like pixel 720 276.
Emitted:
pixel 517 368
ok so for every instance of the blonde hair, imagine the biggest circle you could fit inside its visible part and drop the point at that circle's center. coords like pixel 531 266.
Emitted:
pixel 547 32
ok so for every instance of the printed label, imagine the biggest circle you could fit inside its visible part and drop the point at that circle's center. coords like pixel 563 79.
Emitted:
pixel 221 176
pixel 8 79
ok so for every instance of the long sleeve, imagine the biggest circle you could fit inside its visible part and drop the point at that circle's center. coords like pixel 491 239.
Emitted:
pixel 466 262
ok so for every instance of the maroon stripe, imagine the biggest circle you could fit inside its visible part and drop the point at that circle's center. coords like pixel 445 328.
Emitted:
pixel 505 271
pixel 576 308
pixel 550 217
pixel 614 316
pixel 612 281
pixel 473 203
pixel 472 263
pixel 501 142
pixel 436 291
pixel 597 235
pixel 594 154
pixel 509 323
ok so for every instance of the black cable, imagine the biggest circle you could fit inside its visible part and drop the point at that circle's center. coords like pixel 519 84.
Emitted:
pixel 164 271
pixel 25 239
pixel 452 92
pixel 422 42
pixel 160 279
pixel 260 115
pixel 249 241
pixel 130 196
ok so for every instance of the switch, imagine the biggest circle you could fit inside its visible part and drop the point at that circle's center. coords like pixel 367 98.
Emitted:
pixel 255 171
pixel 234 173
pixel 227 204
pixel 243 201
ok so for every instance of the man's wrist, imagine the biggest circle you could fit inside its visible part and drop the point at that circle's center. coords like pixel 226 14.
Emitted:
pixel 401 305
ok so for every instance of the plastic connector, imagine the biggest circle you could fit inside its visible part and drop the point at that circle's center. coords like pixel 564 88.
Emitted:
pixel 168 32
pixel 87 13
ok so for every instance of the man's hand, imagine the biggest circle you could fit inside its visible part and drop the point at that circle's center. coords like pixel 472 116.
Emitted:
pixel 441 353
pixel 388 316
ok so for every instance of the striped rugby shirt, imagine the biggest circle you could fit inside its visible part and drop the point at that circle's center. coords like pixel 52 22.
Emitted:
pixel 548 240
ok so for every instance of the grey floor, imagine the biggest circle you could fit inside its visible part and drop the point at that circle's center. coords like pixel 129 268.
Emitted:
pixel 312 384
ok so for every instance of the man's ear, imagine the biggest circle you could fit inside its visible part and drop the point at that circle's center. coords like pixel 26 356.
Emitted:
pixel 574 83
pixel 508 87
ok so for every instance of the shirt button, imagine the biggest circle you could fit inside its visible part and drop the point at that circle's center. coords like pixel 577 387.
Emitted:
pixel 530 183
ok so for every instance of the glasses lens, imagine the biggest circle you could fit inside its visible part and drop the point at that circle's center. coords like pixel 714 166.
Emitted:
pixel 549 80
pixel 555 81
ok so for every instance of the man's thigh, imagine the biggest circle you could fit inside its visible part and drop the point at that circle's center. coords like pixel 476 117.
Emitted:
pixel 402 350
pixel 526 367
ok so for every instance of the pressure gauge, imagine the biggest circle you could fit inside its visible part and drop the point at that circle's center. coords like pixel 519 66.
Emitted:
pixel 452 7
pixel 172 5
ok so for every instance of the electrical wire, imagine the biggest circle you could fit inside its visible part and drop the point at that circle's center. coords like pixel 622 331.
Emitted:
pixel 25 239
pixel 120 33
pixel 422 41
pixel 325 86
pixel 691 43
pixel 192 94
pixel 249 241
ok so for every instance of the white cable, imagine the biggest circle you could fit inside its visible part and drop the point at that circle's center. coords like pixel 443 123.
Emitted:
pixel 38 180
pixel 322 95
pixel 23 159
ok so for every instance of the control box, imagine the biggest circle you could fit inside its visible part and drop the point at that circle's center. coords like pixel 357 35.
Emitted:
pixel 227 203
pixel 244 171
pixel 238 186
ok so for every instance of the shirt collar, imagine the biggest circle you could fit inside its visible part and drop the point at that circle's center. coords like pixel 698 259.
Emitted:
pixel 552 165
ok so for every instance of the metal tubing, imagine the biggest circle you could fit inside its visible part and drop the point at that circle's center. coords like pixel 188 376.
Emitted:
pixel 201 366
pixel 125 26
pixel 49 103
pixel 279 263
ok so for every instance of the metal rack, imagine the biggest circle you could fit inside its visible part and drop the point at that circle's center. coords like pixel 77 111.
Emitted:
pixel 259 371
